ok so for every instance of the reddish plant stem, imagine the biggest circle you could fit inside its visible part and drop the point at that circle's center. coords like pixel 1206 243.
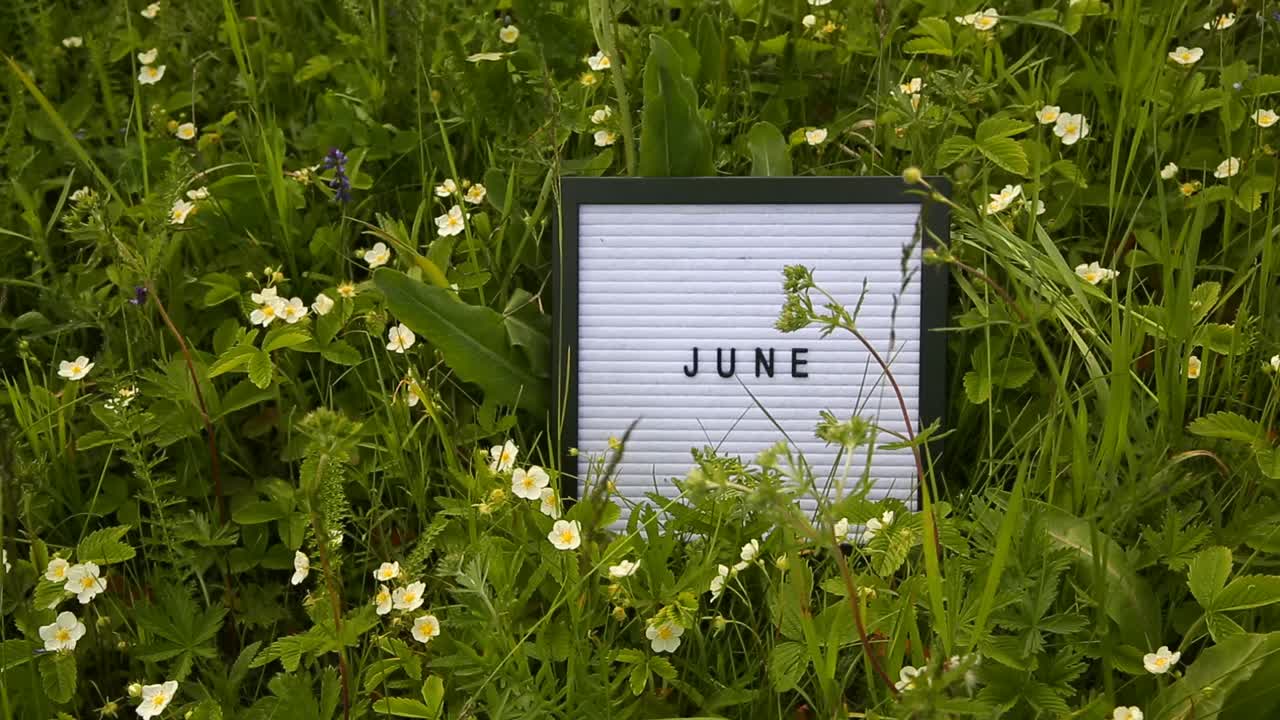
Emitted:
pixel 215 466
pixel 858 622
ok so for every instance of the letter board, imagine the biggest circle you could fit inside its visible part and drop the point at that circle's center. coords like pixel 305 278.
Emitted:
pixel 648 269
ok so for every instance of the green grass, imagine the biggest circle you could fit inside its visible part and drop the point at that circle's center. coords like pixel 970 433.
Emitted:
pixel 1091 504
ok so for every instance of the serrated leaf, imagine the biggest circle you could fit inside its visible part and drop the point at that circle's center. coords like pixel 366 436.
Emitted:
pixel 1000 127
pixel 1222 627
pixel 638 679
pixel 235 358
pixel 433 694
pixel 1226 680
pixel 1227 426
pixel 1208 573
pixel 787 663
pixel 16 652
pixel 104 546
pixel 977 387
pixel 472 338
pixel 1203 299
pixel 1249 591
pixel 260 369
pixel 1268 461
pixel 663 668
pixel 770 156
pixel 1006 153
pixel 341 352
pixel 1012 372
pixel 404 707
pixel 222 287
pixel 933 38
pixel 284 337
pixel 58 676
pixel 953 149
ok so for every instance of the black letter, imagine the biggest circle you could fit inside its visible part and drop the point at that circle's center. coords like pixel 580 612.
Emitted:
pixel 694 371
pixel 767 364
pixel 733 360
pixel 797 362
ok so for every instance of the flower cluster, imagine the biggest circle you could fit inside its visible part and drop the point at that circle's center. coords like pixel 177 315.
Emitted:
pixel 336 161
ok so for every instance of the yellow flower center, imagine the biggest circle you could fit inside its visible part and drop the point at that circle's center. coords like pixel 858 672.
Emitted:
pixel 60 573
pixel 566 537
pixel 159 700
pixel 63 635
pixel 87 582
pixel 77 368
pixel 1161 662
pixel 664 632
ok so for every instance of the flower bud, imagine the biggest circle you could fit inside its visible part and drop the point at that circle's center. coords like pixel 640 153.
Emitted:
pixel 912 175
pixel 135 690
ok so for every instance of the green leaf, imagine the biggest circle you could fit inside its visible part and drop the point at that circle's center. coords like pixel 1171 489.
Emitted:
pixel 58 675
pixel 1207 574
pixel 104 546
pixel 933 38
pixel 242 396
pixel 433 694
pixel 638 679
pixel 1227 426
pixel 1249 591
pixel 284 336
pixel 1000 127
pixel 255 513
pixel 235 358
pixel 16 652
pixel 222 287
pixel 471 338
pixel 1222 627
pixel 1005 152
pixel 674 140
pixel 953 149
pixel 1268 461
pixel 341 352
pixel 663 668
pixel 977 387
pixel 769 153
pixel 787 663
pixel 260 368
pixel 1126 597
pixel 1235 678
pixel 404 707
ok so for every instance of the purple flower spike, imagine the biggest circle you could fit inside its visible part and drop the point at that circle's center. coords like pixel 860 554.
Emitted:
pixel 139 295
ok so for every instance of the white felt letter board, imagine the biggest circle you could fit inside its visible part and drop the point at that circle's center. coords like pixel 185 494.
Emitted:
pixel 648 270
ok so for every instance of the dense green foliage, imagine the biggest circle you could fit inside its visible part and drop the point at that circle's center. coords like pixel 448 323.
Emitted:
pixel 1110 481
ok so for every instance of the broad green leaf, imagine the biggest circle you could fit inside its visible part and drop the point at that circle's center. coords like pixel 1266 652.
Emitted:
pixel 341 352
pixel 1221 627
pixel 639 679
pixel 260 369
pixel 977 387
pixel 1005 152
pixel 1208 573
pixel 527 328
pixel 674 140
pixel 472 338
pixel 1203 298
pixel 405 708
pixel 953 149
pixel 235 358
pixel 58 675
pixel 433 694
pixel 284 336
pixel 1227 426
pixel 1249 591
pixel 769 152
pixel 104 546
pixel 255 513
pixel 16 652
pixel 222 287
pixel 1235 678
pixel 787 663
pixel 1128 601
pixel 242 396
pixel 1268 461
pixel 933 37
pixel 1000 127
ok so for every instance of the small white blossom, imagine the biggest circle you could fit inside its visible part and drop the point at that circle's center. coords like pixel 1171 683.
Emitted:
pixel 475 194
pixel 841 529
pixel 915 85
pixel 1169 172
pixel 985 20
pixel 1048 114
pixel 150 74
pixel 1193 373
pixel 151 11
pixel 549 506
pixel 382 600
pixel 1003 199
pixel 186 131
pixel 1071 127
pixel 1161 661
pixel 148 57
pixel 73 41
pixel 293 310
pixel 378 255
pixel 1093 273
pixel 604 138
pixel 1265 118
pixel 485 57
pixel 750 551
pixel 84 582
pixel 387 571
pixel 1221 22
pixel 819 3
pixel 270 307
pixel 409 597
pixel 400 338
pixel 599 61
pixel 528 484
pixel 664 637
pixel 1131 712
pixel 503 457
pixel 601 116
pixel 509 34
pixel 347 290
pixel 425 627
pixel 1186 56
pixel 565 535
pixel 63 633
pixel 82 194
pixel 322 305
pixel 717 583
pixel 180 211
pixel 815 136
pixel 75 369
pixel 907 677
pixel 56 571
pixel 809 20
pixel 200 193
pixel 1227 168
pixel 301 567
pixel 875 525
pixel 1275 363
pixel 446 188
pixel 451 223
pixel 155 698
pixel 625 568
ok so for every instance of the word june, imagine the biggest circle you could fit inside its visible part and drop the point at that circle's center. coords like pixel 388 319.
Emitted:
pixel 764 363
